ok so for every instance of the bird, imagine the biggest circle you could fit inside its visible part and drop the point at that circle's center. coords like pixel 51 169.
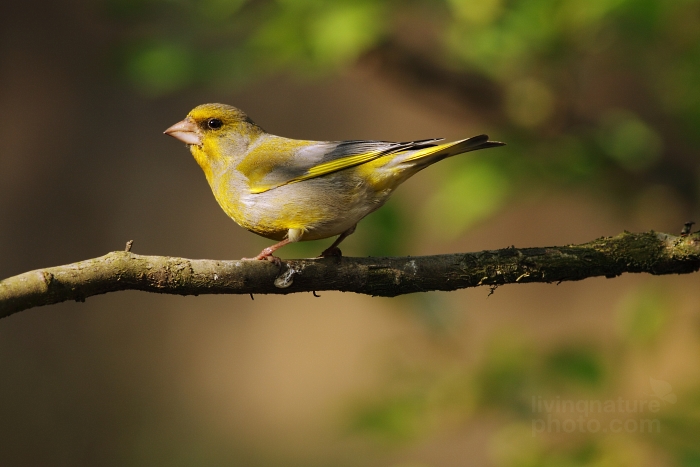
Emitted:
pixel 293 190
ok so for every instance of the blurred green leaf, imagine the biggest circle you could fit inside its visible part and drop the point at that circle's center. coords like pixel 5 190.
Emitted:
pixel 690 459
pixel 529 102
pixel 161 68
pixel 380 234
pixel 341 33
pixel 218 10
pixel 643 314
pixel 506 375
pixel 394 419
pixel 579 366
pixel 515 446
pixel 569 159
pixel 482 12
pixel 628 140
pixel 309 36
pixel 466 196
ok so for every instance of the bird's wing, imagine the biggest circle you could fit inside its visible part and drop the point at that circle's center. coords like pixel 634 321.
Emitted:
pixel 279 162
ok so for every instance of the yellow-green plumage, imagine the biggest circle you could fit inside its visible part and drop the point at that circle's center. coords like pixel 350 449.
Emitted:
pixel 295 190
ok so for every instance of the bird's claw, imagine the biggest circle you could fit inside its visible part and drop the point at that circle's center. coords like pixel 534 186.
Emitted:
pixel 266 257
pixel 274 259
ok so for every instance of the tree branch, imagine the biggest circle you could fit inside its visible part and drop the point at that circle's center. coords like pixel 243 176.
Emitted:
pixel 650 252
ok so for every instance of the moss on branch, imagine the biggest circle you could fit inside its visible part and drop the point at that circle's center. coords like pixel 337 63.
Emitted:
pixel 649 252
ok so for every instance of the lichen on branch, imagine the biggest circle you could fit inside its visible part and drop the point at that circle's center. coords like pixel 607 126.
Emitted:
pixel 649 252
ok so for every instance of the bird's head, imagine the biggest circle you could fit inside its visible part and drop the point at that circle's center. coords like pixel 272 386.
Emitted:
pixel 215 131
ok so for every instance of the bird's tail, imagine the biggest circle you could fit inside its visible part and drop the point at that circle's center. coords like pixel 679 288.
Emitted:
pixel 426 156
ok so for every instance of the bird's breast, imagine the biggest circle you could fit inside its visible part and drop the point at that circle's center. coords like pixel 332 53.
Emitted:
pixel 321 207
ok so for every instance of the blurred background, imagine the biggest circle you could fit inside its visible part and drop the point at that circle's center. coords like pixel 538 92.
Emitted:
pixel 599 103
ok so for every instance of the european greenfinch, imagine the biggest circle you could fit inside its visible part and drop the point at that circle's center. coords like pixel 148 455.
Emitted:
pixel 291 190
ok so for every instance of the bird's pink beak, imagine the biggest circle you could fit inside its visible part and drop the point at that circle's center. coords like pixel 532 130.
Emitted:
pixel 186 131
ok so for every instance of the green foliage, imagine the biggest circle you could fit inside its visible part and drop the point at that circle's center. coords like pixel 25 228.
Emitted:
pixel 381 233
pixel 575 366
pixel 311 36
pixel 513 383
pixel 397 418
pixel 232 41
pixel 629 141
pixel 466 196
pixel 643 314
pixel 505 380
pixel 161 68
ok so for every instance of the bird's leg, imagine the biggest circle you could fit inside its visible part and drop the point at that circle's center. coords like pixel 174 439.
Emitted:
pixel 267 252
pixel 333 250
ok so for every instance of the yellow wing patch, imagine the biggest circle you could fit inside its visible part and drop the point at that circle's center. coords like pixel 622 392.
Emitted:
pixel 338 164
pixel 324 169
pixel 260 171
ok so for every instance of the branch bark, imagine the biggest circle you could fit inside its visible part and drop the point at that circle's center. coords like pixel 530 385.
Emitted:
pixel 649 252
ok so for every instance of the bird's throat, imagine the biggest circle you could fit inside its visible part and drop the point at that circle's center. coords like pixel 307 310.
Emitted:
pixel 205 162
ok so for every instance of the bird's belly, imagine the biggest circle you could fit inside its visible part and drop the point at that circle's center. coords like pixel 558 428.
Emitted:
pixel 322 207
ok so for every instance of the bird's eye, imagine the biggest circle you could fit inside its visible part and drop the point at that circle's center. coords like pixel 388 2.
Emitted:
pixel 214 123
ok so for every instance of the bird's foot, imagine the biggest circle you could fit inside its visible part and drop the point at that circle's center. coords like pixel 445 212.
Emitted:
pixel 273 259
pixel 333 251
pixel 267 255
